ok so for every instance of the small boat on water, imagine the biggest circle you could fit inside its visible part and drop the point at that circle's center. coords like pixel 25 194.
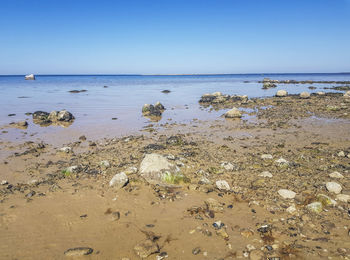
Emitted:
pixel 30 77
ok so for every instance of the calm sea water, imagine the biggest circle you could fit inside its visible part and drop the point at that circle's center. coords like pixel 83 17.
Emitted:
pixel 125 97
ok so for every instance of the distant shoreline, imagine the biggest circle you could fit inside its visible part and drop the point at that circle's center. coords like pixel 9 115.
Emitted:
pixel 204 74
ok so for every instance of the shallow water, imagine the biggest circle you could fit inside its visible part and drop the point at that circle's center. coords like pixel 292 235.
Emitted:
pixel 124 99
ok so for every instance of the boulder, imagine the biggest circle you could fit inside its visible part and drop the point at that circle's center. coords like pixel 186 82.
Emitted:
pixel 268 85
pixel 153 110
pixel 29 77
pixel 233 113
pixel 156 169
pixel 281 93
pixel 65 116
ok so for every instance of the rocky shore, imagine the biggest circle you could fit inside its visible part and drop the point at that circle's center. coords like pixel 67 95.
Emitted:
pixel 269 180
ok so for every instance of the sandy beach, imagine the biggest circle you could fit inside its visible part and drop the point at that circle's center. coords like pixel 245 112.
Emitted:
pixel 270 183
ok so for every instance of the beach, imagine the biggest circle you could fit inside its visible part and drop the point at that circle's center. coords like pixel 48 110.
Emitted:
pixel 232 167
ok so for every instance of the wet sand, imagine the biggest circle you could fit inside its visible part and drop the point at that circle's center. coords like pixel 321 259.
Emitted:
pixel 46 210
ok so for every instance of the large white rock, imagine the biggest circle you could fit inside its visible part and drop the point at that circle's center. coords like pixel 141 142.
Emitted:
pixel 286 194
pixel 30 77
pixel 304 94
pixel 347 94
pixel 233 113
pixel 334 187
pixel 281 93
pixel 119 180
pixel 154 167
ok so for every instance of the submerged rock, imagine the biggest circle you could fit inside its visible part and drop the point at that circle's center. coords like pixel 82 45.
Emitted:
pixel 233 113
pixel 20 124
pixel 268 85
pixel 153 110
pixel 45 118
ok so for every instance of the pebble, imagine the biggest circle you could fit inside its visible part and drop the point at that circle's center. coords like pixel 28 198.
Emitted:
pixel 336 175
pixel 341 154
pixel 266 174
pixel 266 156
pixel 291 209
pixel 282 162
pixel 105 164
pixel 78 251
pixel 315 207
pixel 222 185
pixel 218 224
pixel 227 166
pixel 196 250
pixel 343 198
pixel 325 200
pixel 4 182
pixel 286 194
pixel 334 187
pixel 66 149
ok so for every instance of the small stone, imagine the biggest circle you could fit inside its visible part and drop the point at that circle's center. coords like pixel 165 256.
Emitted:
pixel 281 93
pixel 119 180
pixel 266 156
pixel 115 215
pixel 325 200
pixel 66 149
pixel 222 233
pixel 4 182
pixel 341 154
pixel 146 248
pixel 105 164
pixel 266 174
pixel 281 162
pixel 315 207
pixel 131 170
pixel 218 224
pixel 334 187
pixel 222 185
pixel 291 209
pixel 336 175
pixel 347 94
pixel 287 194
pixel 78 251
pixel 250 247
pixel 72 169
pixel 196 250
pixel 204 180
pixel 320 93
pixel 233 113
pixel 305 95
pixel 227 166
pixel 343 198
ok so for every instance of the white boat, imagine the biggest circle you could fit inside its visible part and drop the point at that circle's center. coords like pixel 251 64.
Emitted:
pixel 30 77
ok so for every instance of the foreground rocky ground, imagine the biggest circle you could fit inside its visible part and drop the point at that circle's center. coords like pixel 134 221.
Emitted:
pixel 272 184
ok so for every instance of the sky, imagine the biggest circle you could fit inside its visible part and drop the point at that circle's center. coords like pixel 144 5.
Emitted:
pixel 174 37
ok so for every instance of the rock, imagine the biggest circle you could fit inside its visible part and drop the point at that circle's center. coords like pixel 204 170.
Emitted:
pixel 105 164
pixel 291 209
pixel 156 169
pixel 286 194
pixel 146 248
pixel 267 85
pixel 159 106
pixel 222 185
pixel 343 198
pixel 233 113
pixel 214 205
pixel 204 180
pixel 72 169
pixel 131 170
pixel 196 250
pixel 119 180
pixel 40 116
pixel 256 255
pixel 334 187
pixel 227 166
pixel 29 77
pixel 281 162
pixel 166 91
pixel 305 95
pixel 65 116
pixel 66 149
pixel 20 124
pixel 266 156
pixel 315 207
pixel 266 174
pixel 325 200
pixel 281 93
pixel 53 116
pixel 321 93
pixel 336 175
pixel 347 94
pixel 78 251
pixel 222 233
pixel 4 182
pixel 341 154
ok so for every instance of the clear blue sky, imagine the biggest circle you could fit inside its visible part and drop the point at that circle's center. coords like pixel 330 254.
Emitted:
pixel 169 37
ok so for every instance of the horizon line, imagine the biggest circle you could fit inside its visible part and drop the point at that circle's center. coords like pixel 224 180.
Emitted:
pixel 180 74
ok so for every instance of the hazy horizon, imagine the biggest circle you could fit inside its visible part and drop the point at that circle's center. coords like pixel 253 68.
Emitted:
pixel 173 38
